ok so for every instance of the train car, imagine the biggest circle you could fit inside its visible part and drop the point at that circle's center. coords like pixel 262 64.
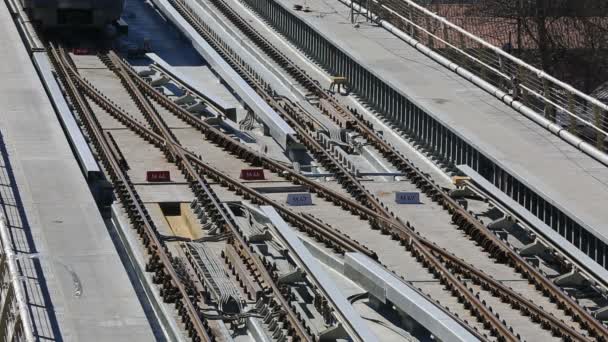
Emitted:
pixel 73 13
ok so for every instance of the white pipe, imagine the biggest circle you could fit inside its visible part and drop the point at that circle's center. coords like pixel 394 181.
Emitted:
pixel 497 72
pixel 570 138
pixel 17 286
pixel 539 73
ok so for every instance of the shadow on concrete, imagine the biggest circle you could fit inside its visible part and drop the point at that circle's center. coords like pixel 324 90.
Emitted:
pixel 41 309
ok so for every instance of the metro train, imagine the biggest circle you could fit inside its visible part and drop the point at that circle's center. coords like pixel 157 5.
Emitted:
pixel 94 14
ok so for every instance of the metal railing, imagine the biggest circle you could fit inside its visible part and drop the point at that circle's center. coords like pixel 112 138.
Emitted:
pixel 15 322
pixel 560 103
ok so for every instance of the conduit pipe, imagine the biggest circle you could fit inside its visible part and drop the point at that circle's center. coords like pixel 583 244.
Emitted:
pixel 570 138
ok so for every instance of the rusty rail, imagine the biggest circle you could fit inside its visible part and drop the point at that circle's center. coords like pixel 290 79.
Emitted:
pixel 205 194
pixel 455 284
pixel 159 260
pixel 462 218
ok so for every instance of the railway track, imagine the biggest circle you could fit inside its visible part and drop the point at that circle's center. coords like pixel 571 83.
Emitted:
pixel 445 265
pixel 159 261
pixel 232 183
pixel 157 133
pixel 206 195
pixel 156 248
pixel 465 220
pixel 215 173
pixel 405 234
pixel 150 135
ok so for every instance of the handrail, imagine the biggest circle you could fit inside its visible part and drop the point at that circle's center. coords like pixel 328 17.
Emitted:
pixel 528 84
pixel 540 73
pixel 19 291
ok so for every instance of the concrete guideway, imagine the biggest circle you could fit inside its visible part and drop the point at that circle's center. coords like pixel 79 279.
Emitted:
pixel 76 284
pixel 386 289
pixel 352 321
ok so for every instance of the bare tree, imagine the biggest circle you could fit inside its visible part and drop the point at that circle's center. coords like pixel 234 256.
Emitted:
pixel 566 38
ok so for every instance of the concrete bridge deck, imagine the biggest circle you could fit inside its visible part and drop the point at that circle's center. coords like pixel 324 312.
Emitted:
pixel 77 288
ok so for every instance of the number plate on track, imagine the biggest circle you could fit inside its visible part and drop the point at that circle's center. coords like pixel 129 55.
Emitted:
pixel 252 174
pixel 158 176
pixel 299 199
pixel 407 197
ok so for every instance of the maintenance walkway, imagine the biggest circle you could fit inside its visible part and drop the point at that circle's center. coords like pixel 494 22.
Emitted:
pixel 454 119
pixel 76 286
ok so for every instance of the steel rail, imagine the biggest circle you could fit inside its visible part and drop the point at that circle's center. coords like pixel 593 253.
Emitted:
pixel 244 151
pixel 450 259
pixel 444 274
pixel 249 154
pixel 159 260
pixel 193 176
pixel 253 195
pixel 305 223
pixel 121 69
pixel 369 203
pixel 198 184
pixel 316 228
pixel 461 216
pixel 343 175
pixel 220 173
pixel 156 123
pixel 457 286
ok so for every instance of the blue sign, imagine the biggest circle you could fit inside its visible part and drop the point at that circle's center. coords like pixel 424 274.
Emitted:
pixel 299 199
pixel 402 197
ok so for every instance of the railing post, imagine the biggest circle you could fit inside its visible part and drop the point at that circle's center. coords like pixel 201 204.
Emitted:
pixel 411 16
pixel 573 122
pixel 484 70
pixel 598 115
pixel 521 76
pixel 463 47
pixel 430 40
pixel 16 292
pixel 549 110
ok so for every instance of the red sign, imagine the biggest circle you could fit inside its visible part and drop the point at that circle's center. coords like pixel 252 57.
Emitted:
pixel 252 174
pixel 158 176
pixel 81 51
